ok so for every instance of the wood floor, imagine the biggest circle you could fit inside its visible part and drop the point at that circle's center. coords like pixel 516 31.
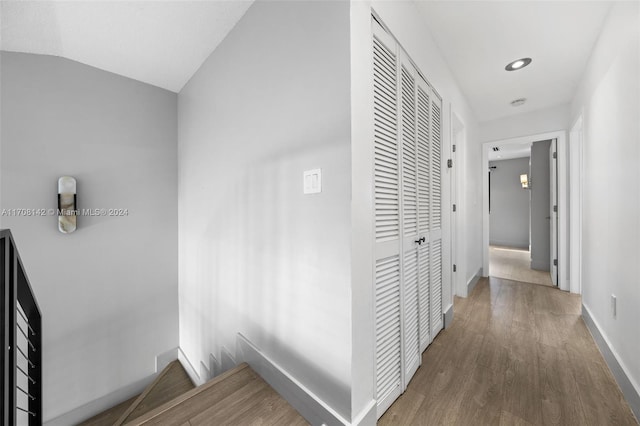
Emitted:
pixel 516 354
pixel 515 264
pixel 238 397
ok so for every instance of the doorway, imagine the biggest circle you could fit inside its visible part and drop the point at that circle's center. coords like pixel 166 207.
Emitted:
pixel 516 261
pixel 520 228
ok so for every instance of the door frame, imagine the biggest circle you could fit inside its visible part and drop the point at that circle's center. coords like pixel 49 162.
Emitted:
pixel 576 146
pixel 563 204
pixel 553 215
pixel 457 179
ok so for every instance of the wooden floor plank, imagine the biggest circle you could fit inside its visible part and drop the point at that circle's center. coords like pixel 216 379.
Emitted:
pixel 516 354
pixel 404 410
pixel 241 397
pixel 172 383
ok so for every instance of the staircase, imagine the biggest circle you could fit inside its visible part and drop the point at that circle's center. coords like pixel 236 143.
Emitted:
pixel 237 397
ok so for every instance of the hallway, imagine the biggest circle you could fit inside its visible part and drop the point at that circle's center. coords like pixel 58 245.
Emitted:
pixel 516 354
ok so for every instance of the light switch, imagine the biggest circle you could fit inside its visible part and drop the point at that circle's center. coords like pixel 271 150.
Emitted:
pixel 312 181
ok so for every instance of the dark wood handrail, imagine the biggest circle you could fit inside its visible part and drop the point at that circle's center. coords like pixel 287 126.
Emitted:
pixel 17 295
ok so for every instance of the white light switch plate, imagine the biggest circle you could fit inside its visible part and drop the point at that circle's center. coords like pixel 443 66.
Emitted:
pixel 312 181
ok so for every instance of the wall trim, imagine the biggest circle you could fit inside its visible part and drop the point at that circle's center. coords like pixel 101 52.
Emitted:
pixel 166 358
pixel 309 405
pixel 114 398
pixel 367 415
pixel 471 284
pixel 629 389
pixel 188 367
pixel 447 317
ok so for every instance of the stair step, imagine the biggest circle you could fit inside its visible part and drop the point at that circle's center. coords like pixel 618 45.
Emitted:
pixel 238 396
pixel 172 382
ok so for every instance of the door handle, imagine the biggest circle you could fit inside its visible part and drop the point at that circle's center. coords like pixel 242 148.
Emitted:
pixel 419 241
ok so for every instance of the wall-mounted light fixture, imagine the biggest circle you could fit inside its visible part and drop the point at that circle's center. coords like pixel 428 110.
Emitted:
pixel 67 211
pixel 524 180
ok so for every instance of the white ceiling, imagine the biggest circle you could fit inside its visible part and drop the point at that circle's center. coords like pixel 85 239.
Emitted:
pixel 164 42
pixel 159 42
pixel 509 151
pixel 479 38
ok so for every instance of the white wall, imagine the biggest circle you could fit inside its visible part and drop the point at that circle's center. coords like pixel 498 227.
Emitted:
pixel 509 217
pixel 108 292
pixel 256 255
pixel 609 96
pixel 531 123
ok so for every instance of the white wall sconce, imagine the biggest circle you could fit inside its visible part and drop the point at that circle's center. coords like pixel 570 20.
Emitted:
pixel 524 180
pixel 67 211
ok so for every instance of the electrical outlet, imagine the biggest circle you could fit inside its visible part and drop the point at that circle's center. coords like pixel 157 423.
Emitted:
pixel 613 305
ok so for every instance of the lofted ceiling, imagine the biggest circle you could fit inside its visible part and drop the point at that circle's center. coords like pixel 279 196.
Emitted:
pixel 479 38
pixel 164 42
pixel 158 42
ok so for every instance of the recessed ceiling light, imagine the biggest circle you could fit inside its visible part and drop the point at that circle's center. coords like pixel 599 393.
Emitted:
pixel 518 102
pixel 518 64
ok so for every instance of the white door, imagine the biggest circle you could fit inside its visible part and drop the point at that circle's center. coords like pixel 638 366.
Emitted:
pixel 423 101
pixel 408 216
pixel 553 214
pixel 409 208
pixel 388 291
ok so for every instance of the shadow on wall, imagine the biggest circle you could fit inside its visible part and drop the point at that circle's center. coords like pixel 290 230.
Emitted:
pixel 276 264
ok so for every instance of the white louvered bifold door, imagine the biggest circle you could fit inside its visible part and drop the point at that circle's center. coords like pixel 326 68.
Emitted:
pixel 388 291
pixel 409 209
pixel 407 145
pixel 435 231
pixel 423 125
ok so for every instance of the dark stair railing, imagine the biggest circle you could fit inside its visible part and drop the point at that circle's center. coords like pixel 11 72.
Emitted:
pixel 22 338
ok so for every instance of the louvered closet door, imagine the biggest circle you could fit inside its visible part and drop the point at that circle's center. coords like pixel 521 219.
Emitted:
pixel 388 290
pixel 409 209
pixel 423 124
pixel 435 232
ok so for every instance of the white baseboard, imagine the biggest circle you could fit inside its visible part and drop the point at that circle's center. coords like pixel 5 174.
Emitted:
pixel 227 360
pixel 309 405
pixel 114 398
pixel 471 284
pixel 448 316
pixel 367 416
pixel 630 390
pixel 166 358
pixel 188 367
